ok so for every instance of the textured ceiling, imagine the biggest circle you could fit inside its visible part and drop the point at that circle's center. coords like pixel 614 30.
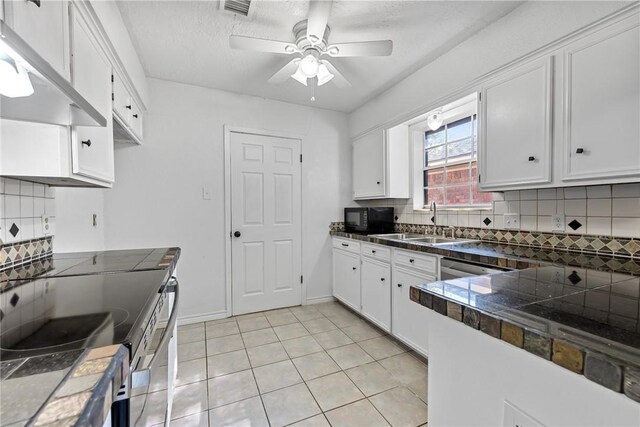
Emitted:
pixel 187 42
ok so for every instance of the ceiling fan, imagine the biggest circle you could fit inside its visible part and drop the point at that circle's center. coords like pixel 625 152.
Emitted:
pixel 311 46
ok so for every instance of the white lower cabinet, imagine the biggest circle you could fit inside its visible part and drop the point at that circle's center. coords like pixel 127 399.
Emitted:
pixel 375 281
pixel 346 277
pixel 376 292
pixel 409 318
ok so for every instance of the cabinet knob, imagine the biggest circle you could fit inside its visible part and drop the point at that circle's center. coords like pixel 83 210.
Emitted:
pixel 382 279
pixel 373 251
pixel 353 268
pixel 237 234
pixel 399 285
pixel 87 143
pixel 378 182
pixel 532 159
pixel 36 2
pixel 411 260
pixel 346 245
pixel 128 107
pixel 135 116
pixel 579 150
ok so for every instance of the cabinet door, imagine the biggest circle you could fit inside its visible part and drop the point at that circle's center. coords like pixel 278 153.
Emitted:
pixel 92 151
pixel 346 278
pixel 45 27
pixel 90 68
pixel 369 166
pixel 602 104
pixel 121 100
pixel 516 127
pixel 376 292
pixel 410 318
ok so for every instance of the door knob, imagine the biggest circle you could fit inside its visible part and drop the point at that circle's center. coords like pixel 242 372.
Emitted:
pixel 237 234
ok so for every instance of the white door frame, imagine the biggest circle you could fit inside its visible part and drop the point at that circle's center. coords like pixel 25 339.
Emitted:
pixel 228 129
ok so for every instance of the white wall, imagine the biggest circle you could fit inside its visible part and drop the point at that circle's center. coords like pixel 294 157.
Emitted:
pixel 528 27
pixel 471 374
pixel 157 196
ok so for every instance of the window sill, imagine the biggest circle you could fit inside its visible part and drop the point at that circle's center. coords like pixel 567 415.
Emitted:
pixel 456 208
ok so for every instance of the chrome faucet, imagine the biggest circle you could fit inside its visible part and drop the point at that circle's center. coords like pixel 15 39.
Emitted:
pixel 452 229
pixel 433 209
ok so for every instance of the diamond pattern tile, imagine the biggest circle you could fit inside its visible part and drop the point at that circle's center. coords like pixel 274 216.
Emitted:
pixel 14 230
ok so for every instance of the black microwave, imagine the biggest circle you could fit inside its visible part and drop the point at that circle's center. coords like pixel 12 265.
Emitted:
pixel 368 220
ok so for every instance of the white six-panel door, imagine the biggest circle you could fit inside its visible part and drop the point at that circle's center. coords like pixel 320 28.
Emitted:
pixel 266 255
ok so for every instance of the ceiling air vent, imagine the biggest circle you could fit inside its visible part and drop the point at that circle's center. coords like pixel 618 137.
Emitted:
pixel 239 7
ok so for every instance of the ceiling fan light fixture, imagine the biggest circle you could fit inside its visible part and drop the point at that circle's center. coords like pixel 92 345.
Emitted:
pixel 434 121
pixel 313 39
pixel 309 66
pixel 299 75
pixel 324 75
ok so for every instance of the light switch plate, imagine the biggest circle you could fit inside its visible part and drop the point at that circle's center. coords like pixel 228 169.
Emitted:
pixel 206 193
pixel 557 222
pixel 516 417
pixel 512 221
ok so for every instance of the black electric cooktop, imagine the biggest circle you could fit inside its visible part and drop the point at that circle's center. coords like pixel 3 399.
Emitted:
pixel 59 312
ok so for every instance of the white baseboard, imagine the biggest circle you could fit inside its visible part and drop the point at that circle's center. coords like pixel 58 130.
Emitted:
pixel 318 300
pixel 187 320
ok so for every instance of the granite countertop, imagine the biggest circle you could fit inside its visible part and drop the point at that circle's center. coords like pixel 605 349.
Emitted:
pixel 74 387
pixel 509 256
pixel 580 311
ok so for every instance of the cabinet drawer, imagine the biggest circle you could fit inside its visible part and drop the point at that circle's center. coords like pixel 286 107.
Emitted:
pixel 426 263
pixel 382 253
pixel 346 244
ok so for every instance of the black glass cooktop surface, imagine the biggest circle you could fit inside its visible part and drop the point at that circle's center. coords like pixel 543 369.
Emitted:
pixel 54 314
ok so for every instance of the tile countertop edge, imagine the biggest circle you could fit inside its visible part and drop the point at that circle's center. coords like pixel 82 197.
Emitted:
pixel 616 375
pixel 78 402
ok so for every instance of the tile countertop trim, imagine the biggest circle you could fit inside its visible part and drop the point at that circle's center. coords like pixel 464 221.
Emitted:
pixel 85 396
pixel 606 371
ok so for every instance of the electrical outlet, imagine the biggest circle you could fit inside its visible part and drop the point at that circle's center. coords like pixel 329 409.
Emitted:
pixel 557 222
pixel 516 417
pixel 512 221
pixel 47 225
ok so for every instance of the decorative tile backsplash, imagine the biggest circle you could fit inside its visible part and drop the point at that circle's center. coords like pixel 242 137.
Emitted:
pixel 22 205
pixel 604 210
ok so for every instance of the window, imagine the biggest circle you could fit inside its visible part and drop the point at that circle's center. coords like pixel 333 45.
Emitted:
pixel 450 165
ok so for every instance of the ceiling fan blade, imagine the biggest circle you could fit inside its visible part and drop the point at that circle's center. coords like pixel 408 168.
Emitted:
pixel 372 48
pixel 262 45
pixel 338 78
pixel 317 21
pixel 285 72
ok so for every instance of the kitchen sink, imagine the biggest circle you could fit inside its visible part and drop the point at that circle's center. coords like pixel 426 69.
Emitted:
pixel 398 236
pixel 420 238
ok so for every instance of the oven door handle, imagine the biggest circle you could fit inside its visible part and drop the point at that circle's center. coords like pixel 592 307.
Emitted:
pixel 142 377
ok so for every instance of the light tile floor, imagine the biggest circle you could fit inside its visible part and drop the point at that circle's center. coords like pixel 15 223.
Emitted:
pixel 315 365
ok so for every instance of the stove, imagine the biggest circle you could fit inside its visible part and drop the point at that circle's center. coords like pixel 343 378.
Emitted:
pixel 54 314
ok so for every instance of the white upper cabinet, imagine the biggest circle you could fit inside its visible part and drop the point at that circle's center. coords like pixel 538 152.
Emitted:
pixel 127 115
pixel 44 25
pixel 516 127
pixel 602 104
pixel 121 100
pixel 381 164
pixel 90 68
pixel 369 166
